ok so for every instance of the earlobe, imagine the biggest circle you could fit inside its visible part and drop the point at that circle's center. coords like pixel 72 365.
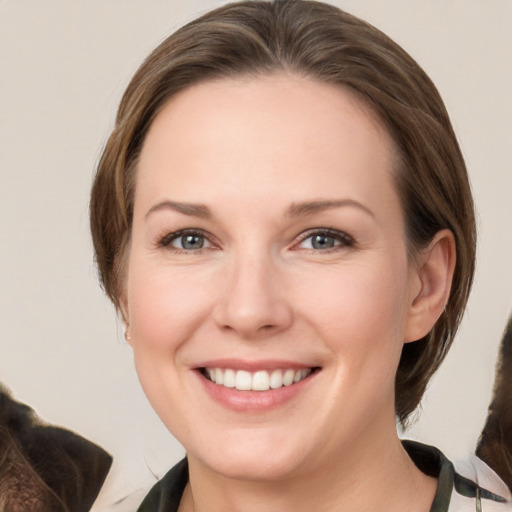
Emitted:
pixel 123 309
pixel 434 272
pixel 127 336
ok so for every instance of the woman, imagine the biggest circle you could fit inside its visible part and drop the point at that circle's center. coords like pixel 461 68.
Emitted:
pixel 283 218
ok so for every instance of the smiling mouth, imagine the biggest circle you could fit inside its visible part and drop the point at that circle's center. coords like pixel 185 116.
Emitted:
pixel 261 380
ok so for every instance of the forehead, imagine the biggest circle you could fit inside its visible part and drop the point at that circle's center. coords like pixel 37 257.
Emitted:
pixel 300 135
pixel 249 101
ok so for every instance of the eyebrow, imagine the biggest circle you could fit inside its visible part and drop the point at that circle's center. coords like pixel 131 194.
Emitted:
pixel 296 209
pixel 191 209
pixel 309 207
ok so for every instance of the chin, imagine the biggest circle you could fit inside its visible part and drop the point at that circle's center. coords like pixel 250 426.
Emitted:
pixel 255 467
pixel 255 458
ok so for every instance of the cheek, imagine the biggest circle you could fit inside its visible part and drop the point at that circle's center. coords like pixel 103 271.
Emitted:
pixel 164 307
pixel 361 308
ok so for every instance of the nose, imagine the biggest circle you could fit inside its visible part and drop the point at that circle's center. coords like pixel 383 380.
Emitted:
pixel 253 302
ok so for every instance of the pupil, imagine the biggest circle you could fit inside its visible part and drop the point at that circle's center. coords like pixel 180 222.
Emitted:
pixel 323 242
pixel 192 242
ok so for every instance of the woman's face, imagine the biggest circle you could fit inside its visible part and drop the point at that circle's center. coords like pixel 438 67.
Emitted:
pixel 268 247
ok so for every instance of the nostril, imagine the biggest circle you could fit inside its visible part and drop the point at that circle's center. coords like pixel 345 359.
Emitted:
pixel 251 314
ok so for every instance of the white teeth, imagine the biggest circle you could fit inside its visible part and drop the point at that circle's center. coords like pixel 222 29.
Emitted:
pixel 260 380
pixel 276 379
pixel 288 377
pixel 229 379
pixel 243 380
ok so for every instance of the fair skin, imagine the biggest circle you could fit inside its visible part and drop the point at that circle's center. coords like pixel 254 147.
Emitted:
pixel 294 258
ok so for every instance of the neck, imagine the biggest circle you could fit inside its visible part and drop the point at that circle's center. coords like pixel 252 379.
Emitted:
pixel 372 476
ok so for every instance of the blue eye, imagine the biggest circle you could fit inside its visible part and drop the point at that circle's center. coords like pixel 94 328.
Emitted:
pixel 325 240
pixel 189 242
pixel 186 241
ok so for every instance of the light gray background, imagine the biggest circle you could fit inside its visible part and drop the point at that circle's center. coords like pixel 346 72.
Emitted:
pixel 63 67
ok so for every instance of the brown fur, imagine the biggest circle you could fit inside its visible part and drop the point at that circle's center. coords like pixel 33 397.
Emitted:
pixel 45 468
pixel 495 443
pixel 21 488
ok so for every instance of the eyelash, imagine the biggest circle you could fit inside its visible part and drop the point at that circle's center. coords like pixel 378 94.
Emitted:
pixel 167 240
pixel 341 240
pixel 344 239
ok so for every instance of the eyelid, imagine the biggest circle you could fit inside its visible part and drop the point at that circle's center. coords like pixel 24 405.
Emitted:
pixel 344 238
pixel 166 240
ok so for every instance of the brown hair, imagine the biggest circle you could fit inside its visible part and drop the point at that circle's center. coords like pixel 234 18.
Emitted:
pixel 319 41
pixel 494 446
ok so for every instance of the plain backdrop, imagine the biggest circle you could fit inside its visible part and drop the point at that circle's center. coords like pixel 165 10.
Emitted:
pixel 63 67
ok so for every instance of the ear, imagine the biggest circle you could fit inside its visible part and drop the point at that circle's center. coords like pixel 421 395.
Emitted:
pixel 431 282
pixel 123 310
pixel 127 335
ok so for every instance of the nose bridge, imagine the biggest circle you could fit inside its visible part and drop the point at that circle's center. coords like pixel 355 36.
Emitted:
pixel 254 301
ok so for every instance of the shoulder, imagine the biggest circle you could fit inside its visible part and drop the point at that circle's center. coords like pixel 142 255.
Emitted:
pixel 472 487
pixel 165 495
pixel 476 482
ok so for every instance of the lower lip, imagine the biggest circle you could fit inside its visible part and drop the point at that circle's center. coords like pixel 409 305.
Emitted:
pixel 254 401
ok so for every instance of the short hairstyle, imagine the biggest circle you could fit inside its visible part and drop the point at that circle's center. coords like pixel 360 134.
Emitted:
pixel 323 43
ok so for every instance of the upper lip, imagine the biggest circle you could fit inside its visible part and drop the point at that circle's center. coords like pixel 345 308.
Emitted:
pixel 253 365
